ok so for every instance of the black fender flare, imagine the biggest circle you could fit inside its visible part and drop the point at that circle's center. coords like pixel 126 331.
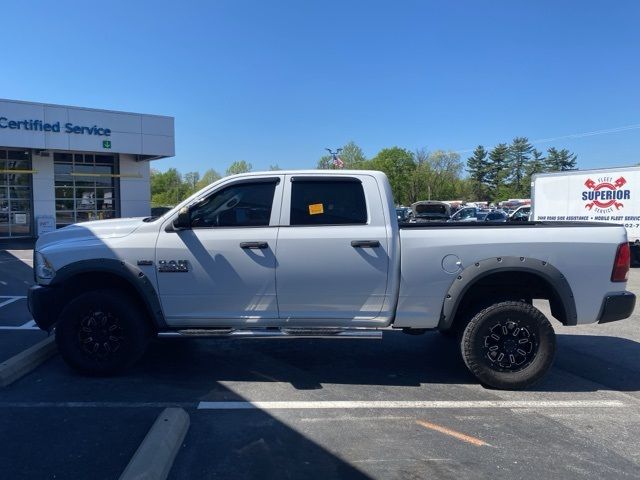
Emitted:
pixel 131 274
pixel 483 268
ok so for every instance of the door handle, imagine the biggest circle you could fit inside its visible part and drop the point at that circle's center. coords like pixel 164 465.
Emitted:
pixel 254 245
pixel 365 243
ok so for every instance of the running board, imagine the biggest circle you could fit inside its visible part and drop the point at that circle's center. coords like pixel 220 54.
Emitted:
pixel 275 333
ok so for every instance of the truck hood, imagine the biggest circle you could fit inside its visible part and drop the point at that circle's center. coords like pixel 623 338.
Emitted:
pixel 98 229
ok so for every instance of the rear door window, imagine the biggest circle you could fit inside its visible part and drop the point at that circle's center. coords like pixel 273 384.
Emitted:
pixel 327 202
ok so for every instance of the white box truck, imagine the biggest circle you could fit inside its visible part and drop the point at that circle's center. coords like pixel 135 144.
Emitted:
pixel 609 195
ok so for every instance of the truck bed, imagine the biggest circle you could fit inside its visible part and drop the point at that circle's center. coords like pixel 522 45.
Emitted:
pixel 539 224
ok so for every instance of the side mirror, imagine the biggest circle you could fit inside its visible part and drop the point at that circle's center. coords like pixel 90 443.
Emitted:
pixel 183 220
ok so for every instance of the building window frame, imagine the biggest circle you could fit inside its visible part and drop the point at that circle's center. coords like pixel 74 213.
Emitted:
pixel 8 187
pixel 78 183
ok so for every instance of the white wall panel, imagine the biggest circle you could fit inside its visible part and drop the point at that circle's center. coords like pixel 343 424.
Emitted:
pixel 153 125
pixel 127 129
pixel 155 145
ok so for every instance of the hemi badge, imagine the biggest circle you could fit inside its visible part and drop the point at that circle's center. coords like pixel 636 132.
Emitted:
pixel 174 266
pixel 145 262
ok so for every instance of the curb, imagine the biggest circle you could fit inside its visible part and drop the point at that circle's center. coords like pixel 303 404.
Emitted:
pixel 155 455
pixel 24 362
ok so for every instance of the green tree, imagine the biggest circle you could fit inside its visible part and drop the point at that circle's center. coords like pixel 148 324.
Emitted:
pixel 397 163
pixel 167 188
pixel 192 179
pixel 274 167
pixel 419 184
pixel 519 155
pixel 208 178
pixel 325 163
pixel 478 168
pixel 239 167
pixel 498 172
pixel 353 156
pixel 443 175
pixel 558 160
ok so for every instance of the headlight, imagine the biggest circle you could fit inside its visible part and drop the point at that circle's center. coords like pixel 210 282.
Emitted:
pixel 44 270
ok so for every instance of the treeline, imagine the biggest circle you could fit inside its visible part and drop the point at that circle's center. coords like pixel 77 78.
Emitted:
pixel 418 175
pixel 493 175
pixel 506 170
pixel 501 173
pixel 171 187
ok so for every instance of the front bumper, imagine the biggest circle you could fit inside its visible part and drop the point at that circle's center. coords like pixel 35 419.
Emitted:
pixel 617 306
pixel 43 305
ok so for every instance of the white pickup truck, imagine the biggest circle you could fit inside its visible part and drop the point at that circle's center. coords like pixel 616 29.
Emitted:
pixel 321 254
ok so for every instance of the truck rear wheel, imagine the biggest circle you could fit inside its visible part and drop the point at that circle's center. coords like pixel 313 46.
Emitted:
pixel 102 332
pixel 509 345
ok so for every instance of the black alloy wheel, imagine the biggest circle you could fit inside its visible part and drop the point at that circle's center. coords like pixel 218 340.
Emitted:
pixel 509 345
pixel 102 332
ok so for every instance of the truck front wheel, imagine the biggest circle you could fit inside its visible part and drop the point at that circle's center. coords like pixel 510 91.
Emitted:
pixel 509 345
pixel 102 332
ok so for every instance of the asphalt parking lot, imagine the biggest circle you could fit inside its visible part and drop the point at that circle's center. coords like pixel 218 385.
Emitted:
pixel 404 407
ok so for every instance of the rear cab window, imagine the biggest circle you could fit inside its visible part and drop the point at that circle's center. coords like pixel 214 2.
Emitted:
pixel 329 201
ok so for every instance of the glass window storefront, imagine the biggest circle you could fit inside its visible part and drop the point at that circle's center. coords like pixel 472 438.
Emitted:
pixel 15 193
pixel 85 187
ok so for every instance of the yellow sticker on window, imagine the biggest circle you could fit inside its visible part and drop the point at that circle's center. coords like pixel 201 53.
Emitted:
pixel 316 209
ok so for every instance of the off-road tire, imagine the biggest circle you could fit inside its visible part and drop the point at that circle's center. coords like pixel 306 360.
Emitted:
pixel 508 345
pixel 102 332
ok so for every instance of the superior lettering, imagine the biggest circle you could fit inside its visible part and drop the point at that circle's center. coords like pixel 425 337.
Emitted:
pixel 606 195
pixel 40 126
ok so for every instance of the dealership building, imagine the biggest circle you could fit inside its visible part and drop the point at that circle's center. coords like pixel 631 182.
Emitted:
pixel 61 165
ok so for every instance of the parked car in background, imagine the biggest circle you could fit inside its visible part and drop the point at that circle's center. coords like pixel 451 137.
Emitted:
pixel 495 216
pixel 431 211
pixel 466 214
pixel 404 214
pixel 521 214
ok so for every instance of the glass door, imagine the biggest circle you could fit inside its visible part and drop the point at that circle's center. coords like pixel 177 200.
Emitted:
pixel 86 187
pixel 16 214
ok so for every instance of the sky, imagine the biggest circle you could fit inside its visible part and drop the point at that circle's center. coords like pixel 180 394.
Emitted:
pixel 276 82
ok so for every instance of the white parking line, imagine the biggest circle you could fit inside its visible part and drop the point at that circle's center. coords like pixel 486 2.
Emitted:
pixel 435 404
pixel 30 325
pixel 11 299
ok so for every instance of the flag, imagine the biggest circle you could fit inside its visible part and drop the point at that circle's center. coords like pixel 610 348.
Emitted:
pixel 337 162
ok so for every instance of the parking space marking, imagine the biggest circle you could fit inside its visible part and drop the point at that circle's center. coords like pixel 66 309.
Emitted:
pixel 11 299
pixel 30 325
pixel 426 405
pixel 434 404
pixel 96 404
pixel 19 327
pixel 452 433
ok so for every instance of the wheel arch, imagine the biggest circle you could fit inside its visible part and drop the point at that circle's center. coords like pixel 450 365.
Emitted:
pixel 86 275
pixel 515 275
